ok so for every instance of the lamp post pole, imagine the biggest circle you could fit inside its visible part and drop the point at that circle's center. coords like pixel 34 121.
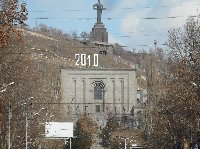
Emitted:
pixel 70 143
pixel 125 143
pixel 9 117
pixel 26 133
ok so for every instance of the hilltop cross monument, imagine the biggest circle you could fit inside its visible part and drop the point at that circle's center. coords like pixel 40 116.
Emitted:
pixel 99 33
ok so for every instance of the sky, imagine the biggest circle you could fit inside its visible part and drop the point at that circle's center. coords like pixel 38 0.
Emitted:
pixel 135 24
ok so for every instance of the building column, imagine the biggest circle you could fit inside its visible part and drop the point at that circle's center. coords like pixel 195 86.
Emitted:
pixel 84 89
pixel 114 102
pixel 75 100
pixel 123 109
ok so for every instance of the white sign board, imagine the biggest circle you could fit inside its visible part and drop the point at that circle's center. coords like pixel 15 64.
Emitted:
pixel 58 130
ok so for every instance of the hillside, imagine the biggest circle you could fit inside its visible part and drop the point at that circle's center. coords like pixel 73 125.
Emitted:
pixel 33 68
pixel 44 45
pixel 57 45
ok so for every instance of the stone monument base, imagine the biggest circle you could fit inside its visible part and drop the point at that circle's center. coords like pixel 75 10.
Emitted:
pixel 99 33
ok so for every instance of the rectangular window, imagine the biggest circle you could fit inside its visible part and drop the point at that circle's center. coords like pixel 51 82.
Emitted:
pixel 86 108
pixel 98 109
pixel 98 92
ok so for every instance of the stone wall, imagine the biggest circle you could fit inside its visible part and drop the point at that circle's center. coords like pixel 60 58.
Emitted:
pixel 99 33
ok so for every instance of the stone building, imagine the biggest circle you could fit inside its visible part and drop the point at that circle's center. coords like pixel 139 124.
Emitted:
pixel 98 92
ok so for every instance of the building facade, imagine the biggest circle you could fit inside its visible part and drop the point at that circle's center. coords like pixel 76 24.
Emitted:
pixel 98 92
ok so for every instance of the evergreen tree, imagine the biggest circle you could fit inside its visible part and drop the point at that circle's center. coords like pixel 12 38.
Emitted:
pixel 112 125
pixel 84 130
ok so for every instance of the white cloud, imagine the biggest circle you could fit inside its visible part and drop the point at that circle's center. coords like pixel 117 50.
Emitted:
pixel 132 21
pixel 185 10
pixel 113 40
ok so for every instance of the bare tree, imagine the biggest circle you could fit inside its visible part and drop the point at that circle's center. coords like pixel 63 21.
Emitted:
pixel 11 15
pixel 85 36
pixel 175 116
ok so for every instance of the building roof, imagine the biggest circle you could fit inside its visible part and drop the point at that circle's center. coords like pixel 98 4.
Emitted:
pixel 100 69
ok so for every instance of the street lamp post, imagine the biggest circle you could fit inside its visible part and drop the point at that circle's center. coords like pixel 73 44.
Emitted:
pixel 26 123
pixel 70 143
pixel 38 136
pixel 3 89
pixel 9 117
pixel 125 143
pixel 26 133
